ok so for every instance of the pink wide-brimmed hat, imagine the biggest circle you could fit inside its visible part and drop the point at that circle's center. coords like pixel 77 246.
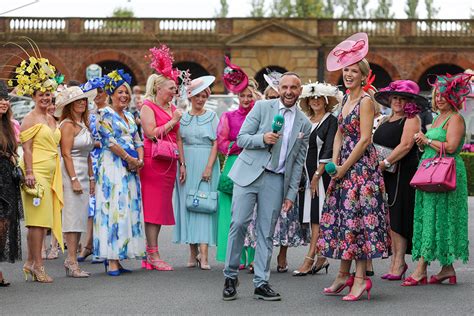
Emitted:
pixel 348 52
pixel 404 88
pixel 235 79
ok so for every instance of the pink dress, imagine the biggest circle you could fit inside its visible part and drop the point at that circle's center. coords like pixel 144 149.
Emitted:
pixel 158 176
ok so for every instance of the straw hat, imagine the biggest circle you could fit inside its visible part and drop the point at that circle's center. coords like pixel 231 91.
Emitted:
pixel 70 95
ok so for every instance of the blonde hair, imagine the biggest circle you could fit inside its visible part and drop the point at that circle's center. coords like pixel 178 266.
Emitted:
pixel 364 67
pixel 153 81
pixel 109 97
pixel 253 87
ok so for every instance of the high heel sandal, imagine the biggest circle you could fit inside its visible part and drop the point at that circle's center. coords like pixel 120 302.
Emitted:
pixel 435 280
pixel 53 253
pixel 155 264
pixel 316 269
pixel 394 277
pixel 201 265
pixel 251 268
pixel 73 270
pixel 86 252
pixel 303 273
pixel 349 283
pixel 410 281
pixel 368 287
pixel 40 275
pixel 282 269
pixel 27 270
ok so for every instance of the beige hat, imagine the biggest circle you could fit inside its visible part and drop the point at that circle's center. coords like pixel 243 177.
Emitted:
pixel 330 93
pixel 71 94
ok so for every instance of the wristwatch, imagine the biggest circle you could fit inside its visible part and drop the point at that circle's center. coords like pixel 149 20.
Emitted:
pixel 429 141
pixel 317 173
pixel 387 163
pixel 73 178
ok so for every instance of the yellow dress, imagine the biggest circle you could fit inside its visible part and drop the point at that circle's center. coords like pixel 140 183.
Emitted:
pixel 47 171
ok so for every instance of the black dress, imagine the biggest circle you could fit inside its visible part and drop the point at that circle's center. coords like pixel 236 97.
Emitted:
pixel 319 151
pixel 10 212
pixel 401 196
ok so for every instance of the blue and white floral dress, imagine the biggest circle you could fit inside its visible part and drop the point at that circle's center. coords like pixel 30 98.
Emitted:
pixel 94 119
pixel 118 218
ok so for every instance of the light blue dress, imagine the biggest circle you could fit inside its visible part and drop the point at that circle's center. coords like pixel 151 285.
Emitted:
pixel 198 133
pixel 118 218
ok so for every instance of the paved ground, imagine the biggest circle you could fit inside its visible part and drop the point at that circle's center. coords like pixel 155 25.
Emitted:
pixel 192 291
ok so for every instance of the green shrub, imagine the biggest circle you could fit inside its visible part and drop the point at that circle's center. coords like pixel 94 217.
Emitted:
pixel 469 162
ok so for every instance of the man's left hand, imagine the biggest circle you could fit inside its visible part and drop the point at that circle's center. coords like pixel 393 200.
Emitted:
pixel 287 205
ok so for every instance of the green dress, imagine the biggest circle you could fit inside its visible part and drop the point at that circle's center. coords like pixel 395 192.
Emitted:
pixel 440 230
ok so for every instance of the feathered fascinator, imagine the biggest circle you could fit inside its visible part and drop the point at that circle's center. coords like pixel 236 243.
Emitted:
pixel 93 83
pixel 35 73
pixel 162 61
pixel 454 88
pixel 115 79
pixel 235 79
pixel 330 93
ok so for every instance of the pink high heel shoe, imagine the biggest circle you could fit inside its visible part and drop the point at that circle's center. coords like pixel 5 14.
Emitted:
pixel 349 283
pixel 394 277
pixel 368 288
pixel 155 264
pixel 410 281
pixel 435 280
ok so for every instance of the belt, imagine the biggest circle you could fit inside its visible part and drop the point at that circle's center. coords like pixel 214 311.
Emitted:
pixel 271 171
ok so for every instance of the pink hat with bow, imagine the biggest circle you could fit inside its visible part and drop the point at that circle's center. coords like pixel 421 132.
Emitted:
pixel 235 79
pixel 404 88
pixel 350 51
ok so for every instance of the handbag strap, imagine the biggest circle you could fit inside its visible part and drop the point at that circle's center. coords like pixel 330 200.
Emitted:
pixel 199 185
pixel 227 155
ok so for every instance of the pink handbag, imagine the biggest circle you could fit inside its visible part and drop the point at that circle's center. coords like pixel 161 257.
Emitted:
pixel 436 174
pixel 164 149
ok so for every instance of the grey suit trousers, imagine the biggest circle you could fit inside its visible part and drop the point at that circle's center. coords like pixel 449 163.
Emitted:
pixel 267 192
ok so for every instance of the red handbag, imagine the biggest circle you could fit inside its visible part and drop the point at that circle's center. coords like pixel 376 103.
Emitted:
pixel 164 149
pixel 436 174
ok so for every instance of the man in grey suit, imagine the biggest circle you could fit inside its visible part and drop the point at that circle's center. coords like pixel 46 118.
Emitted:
pixel 267 172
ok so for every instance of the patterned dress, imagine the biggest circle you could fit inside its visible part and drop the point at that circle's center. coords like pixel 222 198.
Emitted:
pixel 94 119
pixel 440 230
pixel 355 220
pixel 118 218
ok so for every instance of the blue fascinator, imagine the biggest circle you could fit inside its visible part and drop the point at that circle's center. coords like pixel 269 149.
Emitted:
pixel 115 79
pixel 94 83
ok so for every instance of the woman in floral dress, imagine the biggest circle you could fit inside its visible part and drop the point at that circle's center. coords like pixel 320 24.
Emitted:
pixel 118 218
pixel 354 223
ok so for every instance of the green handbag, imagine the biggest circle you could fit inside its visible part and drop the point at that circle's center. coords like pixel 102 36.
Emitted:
pixel 226 185
pixel 202 201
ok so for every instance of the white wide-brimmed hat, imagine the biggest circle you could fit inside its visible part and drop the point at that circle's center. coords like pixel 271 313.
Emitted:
pixel 331 93
pixel 273 79
pixel 200 84
pixel 71 94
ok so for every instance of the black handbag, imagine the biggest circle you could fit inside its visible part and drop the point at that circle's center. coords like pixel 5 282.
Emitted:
pixel 17 175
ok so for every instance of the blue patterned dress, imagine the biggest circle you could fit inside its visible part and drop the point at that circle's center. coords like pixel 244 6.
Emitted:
pixel 94 119
pixel 354 223
pixel 118 218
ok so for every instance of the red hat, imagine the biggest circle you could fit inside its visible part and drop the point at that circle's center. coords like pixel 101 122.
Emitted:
pixel 235 79
pixel 348 52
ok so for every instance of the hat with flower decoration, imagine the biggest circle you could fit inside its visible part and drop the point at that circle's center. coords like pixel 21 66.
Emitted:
pixel 71 94
pixel 94 83
pixel 330 93
pixel 115 79
pixel 162 61
pixel 235 79
pixel 454 88
pixel 35 73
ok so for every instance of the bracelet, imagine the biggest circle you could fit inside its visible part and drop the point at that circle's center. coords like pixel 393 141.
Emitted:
pixel 73 178
pixel 387 163
pixel 429 141
pixel 126 157
pixel 91 178
pixel 183 164
pixel 317 173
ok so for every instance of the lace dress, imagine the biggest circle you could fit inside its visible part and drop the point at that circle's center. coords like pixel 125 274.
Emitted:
pixel 440 230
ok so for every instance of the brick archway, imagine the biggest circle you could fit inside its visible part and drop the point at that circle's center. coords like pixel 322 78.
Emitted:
pixel 116 55
pixel 435 59
pixel 198 58
pixel 57 62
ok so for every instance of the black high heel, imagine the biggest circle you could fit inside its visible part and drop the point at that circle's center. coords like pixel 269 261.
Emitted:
pixel 316 269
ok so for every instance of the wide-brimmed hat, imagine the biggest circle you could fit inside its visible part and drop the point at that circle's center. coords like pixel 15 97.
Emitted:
pixel 199 84
pixel 404 88
pixel 350 51
pixel 454 88
pixel 315 90
pixel 273 79
pixel 71 94
pixel 3 90
pixel 235 79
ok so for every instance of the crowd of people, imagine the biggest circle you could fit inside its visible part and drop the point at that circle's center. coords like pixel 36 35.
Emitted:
pixel 115 178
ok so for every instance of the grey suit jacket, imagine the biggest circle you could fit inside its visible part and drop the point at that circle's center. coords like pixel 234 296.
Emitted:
pixel 255 156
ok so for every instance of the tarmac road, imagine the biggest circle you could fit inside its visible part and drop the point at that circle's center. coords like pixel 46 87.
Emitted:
pixel 188 291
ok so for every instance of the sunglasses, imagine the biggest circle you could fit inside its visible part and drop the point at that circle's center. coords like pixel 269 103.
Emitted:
pixel 272 97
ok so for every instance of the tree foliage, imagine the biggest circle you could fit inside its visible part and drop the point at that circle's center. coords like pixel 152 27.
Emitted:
pixel 258 8
pixel 123 13
pixel 224 9
pixel 281 8
pixel 410 9
pixel 384 10
pixel 431 10
pixel 329 9
pixel 309 8
pixel 353 9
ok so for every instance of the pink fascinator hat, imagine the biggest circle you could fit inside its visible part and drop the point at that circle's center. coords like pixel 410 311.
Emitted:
pixel 235 79
pixel 454 88
pixel 162 61
pixel 350 51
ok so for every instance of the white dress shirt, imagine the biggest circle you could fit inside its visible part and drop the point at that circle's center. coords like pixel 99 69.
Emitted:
pixel 289 115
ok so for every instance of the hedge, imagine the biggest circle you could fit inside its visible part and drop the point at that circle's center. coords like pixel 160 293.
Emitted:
pixel 469 162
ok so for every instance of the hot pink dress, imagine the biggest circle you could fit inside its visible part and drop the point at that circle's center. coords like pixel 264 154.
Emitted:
pixel 158 176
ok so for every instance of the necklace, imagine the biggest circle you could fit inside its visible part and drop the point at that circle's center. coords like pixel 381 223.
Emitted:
pixel 317 118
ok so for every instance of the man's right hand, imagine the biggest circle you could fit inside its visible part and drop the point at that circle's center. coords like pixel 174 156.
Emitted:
pixel 270 138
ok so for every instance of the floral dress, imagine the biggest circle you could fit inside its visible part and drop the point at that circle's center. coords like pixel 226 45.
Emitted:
pixel 354 224
pixel 94 119
pixel 118 218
